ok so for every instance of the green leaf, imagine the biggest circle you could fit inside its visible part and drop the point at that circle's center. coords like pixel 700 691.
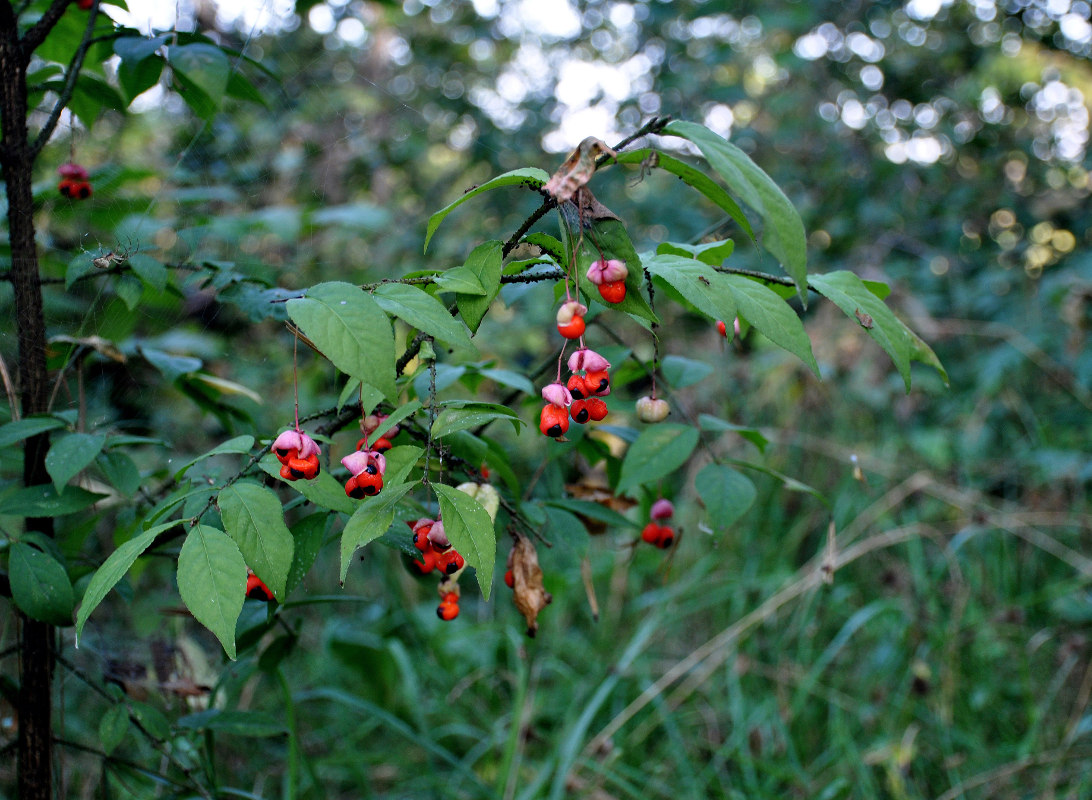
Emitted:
pixel 113 569
pixel 370 521
pixel 237 444
pixel 506 377
pixel 351 330
pixel 130 290
pixel 771 316
pixel 212 582
pixel 400 462
pixel 113 727
pixel 694 178
pixel 486 264
pixel 323 490
pixel 25 428
pixel 681 372
pixel 658 452
pixel 470 530
pixel 531 177
pixel 368 397
pixel 151 719
pixel 149 270
pixel 422 311
pixel 850 294
pixel 69 454
pixel 783 231
pixel 725 493
pixel 707 422
pixel 138 48
pixel 137 77
pixel 205 66
pixel 920 351
pixel 40 585
pixel 699 284
pixel 44 501
pixel 172 366
pixel 460 279
pixel 594 511
pixel 233 723
pixel 713 253
pixel 396 416
pixel 308 535
pixel 472 415
pixel 567 535
pixel 253 517
pixel 121 471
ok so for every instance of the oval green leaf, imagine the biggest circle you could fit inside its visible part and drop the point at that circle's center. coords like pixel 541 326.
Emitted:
pixel 422 311
pixel 370 521
pixel 113 569
pixel 39 585
pixel 658 452
pixel 783 231
pixel 212 582
pixel 774 318
pixel 349 328
pixel 471 532
pixel 725 493
pixel 70 454
pixel 253 517
pixel 532 177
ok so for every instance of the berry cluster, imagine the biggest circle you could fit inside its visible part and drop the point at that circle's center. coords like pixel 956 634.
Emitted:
pixel 74 182
pixel 298 454
pixel 437 553
pixel 579 398
pixel 662 536
pixel 367 464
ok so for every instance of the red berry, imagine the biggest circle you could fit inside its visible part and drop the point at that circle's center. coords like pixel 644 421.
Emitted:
pixel 572 330
pixel 553 421
pixel 420 539
pixel 368 485
pixel 256 589
pixel 447 611
pixel 722 329
pixel 306 468
pixel 286 473
pixel 83 190
pixel 577 387
pixel 450 597
pixel 651 533
pixel 579 411
pixel 382 445
pixel 598 383
pixel 509 580
pixel 283 454
pixel 597 409
pixel 667 537
pixel 65 187
pixel 84 5
pixel 450 561
pixel 613 292
pixel 427 563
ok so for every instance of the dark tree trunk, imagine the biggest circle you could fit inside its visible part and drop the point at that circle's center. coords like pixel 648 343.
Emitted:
pixel 17 162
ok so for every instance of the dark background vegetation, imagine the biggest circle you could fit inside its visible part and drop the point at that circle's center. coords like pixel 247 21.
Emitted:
pixel 938 147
